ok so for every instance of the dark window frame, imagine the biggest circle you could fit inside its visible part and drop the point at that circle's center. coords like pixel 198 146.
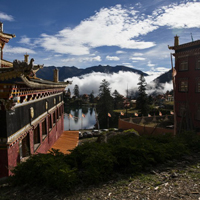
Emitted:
pixel 197 114
pixel 197 65
pixel 44 129
pixel 36 137
pixel 197 85
pixel 183 87
pixel 183 65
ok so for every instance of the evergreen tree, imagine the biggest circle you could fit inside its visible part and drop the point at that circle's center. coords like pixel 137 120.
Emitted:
pixel 142 99
pixel 76 91
pixel 91 97
pixel 104 104
pixel 118 99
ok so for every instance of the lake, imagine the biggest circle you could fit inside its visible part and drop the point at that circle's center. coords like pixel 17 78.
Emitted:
pixel 79 118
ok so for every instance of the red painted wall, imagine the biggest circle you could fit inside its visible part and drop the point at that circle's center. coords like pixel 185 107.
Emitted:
pixel 143 130
pixel 13 156
pixel 10 155
pixel 3 162
pixel 191 98
pixel 52 137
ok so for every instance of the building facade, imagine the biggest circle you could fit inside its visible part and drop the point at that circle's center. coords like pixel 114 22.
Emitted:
pixel 31 112
pixel 187 85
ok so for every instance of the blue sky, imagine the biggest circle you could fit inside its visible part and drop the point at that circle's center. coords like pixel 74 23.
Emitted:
pixel 85 33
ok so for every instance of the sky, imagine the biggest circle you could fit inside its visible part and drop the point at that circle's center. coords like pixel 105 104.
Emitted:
pixel 87 33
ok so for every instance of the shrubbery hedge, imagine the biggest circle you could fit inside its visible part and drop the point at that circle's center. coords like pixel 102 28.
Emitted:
pixel 93 163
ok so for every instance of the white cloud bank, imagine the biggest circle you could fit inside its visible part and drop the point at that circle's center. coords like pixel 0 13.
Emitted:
pixel 18 50
pixel 114 58
pixel 121 26
pixel 118 81
pixel 184 15
pixel 124 28
pixel 6 17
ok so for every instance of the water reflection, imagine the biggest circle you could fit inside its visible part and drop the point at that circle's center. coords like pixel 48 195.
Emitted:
pixel 79 118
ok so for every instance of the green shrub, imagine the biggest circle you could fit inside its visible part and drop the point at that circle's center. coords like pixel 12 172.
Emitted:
pixel 45 169
pixel 92 163
pixel 132 131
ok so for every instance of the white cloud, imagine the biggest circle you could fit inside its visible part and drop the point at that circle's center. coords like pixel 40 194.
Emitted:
pixel 162 69
pixel 120 52
pixel 68 60
pixel 113 58
pixel 118 81
pixel 82 59
pixel 160 51
pixel 25 40
pixel 137 58
pixel 150 64
pixel 138 54
pixel 90 59
pixel 18 50
pixel 183 15
pixel 114 26
pixel 6 17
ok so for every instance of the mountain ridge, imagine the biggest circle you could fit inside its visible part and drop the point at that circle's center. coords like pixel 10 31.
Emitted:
pixel 66 72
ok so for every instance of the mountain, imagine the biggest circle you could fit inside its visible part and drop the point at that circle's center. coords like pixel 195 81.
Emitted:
pixel 159 82
pixel 163 78
pixel 69 72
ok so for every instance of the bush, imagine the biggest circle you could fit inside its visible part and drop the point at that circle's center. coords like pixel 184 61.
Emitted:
pixel 93 163
pixel 45 169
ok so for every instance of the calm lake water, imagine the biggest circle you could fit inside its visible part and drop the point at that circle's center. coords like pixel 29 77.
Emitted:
pixel 77 121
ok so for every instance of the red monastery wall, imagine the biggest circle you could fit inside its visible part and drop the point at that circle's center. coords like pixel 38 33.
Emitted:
pixel 11 156
pixel 143 130
pixel 3 162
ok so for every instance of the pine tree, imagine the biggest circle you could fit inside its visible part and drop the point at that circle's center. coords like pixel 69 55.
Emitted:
pixel 118 99
pixel 91 97
pixel 142 99
pixel 76 91
pixel 104 104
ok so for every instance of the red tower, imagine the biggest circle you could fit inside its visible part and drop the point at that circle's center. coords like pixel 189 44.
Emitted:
pixel 187 85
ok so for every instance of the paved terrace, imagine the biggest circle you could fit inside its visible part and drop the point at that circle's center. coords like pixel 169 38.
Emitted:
pixel 67 141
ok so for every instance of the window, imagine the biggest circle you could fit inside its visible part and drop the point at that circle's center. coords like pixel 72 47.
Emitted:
pixel 198 64
pixel 36 137
pixel 49 122
pixel 183 66
pixel 57 114
pixel 183 85
pixel 44 129
pixel 197 116
pixel 198 85
pixel 182 109
pixel 54 118
pixel 25 147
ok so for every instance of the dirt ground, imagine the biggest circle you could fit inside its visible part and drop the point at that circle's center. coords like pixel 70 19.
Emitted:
pixel 172 180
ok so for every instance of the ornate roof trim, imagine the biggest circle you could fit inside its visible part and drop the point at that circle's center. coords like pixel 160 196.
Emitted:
pixel 7 35
pixel 182 46
pixel 33 84
pixel 6 63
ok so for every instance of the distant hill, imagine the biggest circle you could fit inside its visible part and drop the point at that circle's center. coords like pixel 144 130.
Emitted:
pixel 163 78
pixel 69 72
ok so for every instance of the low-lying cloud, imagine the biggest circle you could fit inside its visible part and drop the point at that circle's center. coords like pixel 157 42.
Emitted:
pixel 118 81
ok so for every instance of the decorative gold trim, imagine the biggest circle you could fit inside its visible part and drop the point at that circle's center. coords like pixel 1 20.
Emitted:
pixel 41 85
